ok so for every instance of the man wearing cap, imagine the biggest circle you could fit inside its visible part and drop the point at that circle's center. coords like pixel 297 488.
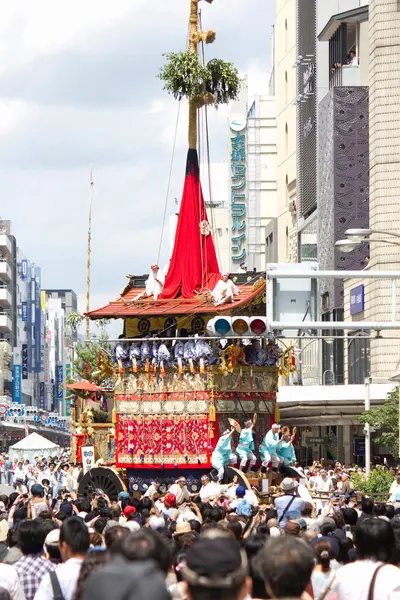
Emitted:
pixel 222 455
pixel 245 448
pixel 216 567
pixel 290 505
pixel 268 448
pixel 180 491
pixel 224 291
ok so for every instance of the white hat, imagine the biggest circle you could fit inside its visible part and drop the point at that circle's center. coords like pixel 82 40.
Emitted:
pixel 156 522
pixel 52 538
pixel 288 484
pixel 132 525
pixel 274 532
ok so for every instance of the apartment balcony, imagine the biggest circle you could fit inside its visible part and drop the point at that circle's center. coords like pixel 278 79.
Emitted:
pixel 7 348
pixel 5 244
pixel 345 76
pixel 5 324
pixel 5 271
pixel 5 298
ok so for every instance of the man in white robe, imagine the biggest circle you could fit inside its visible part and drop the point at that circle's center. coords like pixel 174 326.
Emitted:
pixel 180 491
pixel 154 284
pixel 224 291
pixel 209 489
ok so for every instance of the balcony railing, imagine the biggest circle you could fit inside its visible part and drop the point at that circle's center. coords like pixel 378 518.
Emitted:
pixel 345 76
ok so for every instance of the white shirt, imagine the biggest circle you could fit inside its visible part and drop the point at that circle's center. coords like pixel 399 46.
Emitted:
pixel 209 491
pixel 224 289
pixel 321 485
pixel 353 581
pixel 9 580
pixel 181 494
pixel 67 574
pixel 151 490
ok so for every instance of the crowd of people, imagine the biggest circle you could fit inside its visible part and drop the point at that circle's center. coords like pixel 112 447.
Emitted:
pixel 218 543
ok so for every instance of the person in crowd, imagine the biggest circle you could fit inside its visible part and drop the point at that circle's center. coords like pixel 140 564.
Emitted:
pixel 180 491
pixel 367 509
pixel 92 561
pixel 289 505
pixel 286 564
pixel 323 575
pixel 216 568
pixel 10 582
pixel 32 567
pixel 323 483
pixel 347 485
pixel 74 543
pixel 371 575
pixel 52 546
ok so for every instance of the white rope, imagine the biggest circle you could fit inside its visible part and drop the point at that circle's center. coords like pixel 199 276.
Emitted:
pixel 169 181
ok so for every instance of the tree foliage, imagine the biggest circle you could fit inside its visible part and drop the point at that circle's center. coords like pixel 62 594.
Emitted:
pixel 185 76
pixel 378 482
pixel 385 419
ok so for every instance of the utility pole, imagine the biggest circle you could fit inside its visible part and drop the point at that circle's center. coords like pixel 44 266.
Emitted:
pixel 89 240
pixel 367 427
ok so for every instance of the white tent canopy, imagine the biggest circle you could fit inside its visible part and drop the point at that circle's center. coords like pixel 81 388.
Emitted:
pixel 33 445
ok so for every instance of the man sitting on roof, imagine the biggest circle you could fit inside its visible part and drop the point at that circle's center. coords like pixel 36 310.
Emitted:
pixel 154 284
pixel 224 291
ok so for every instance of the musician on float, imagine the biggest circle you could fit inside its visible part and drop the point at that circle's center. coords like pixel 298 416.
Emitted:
pixel 268 449
pixel 245 448
pixel 285 449
pixel 223 455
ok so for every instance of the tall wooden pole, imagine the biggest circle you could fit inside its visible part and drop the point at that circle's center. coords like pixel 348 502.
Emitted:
pixel 89 240
pixel 193 28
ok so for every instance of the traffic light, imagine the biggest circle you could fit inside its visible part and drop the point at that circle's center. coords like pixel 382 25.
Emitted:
pixel 237 326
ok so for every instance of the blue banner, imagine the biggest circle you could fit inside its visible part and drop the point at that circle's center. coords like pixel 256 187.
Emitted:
pixel 24 270
pixel 24 312
pixel 38 317
pixel 24 361
pixel 60 381
pixel 17 370
pixel 41 395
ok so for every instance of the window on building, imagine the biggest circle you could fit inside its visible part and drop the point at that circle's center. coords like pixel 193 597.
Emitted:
pixel 286 139
pixel 286 88
pixel 359 361
pixel 286 35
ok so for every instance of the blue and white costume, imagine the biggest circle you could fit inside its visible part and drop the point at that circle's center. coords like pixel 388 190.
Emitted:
pixel 223 455
pixel 286 453
pixel 268 448
pixel 245 448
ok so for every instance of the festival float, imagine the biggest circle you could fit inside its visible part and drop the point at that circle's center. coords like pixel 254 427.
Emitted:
pixel 194 355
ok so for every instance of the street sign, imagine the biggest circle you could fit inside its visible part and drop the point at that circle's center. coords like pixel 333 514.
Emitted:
pixel 315 440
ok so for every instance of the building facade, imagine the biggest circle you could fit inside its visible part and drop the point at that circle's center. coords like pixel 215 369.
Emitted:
pixel 286 87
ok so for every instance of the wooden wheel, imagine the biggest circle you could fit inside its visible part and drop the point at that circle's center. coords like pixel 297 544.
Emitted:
pixel 101 478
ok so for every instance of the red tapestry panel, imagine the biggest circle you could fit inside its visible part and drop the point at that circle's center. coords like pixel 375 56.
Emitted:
pixel 168 440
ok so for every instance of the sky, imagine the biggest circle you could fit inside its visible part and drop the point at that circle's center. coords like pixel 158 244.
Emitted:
pixel 78 87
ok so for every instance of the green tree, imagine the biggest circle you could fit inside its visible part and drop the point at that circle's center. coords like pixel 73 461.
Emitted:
pixel 385 419
pixel 378 482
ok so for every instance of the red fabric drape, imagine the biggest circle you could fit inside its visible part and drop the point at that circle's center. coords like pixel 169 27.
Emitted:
pixel 194 261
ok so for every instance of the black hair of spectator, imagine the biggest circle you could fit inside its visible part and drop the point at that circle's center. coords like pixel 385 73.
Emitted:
pixel 4 498
pixel 374 539
pixel 350 516
pixel 263 530
pixel 195 525
pixel 31 537
pixel 12 497
pixel 113 534
pixel 82 504
pixel 179 561
pixel 186 540
pixel 252 546
pixel 327 528
pixel 380 509
pixel 145 544
pixel 115 511
pixel 47 525
pixel 20 514
pixel 99 525
pixel 390 511
pixel 93 560
pixel 236 529
pixel 12 537
pixel 285 564
pixel 75 534
pixel 307 510
pixel 367 505
pixel 271 514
